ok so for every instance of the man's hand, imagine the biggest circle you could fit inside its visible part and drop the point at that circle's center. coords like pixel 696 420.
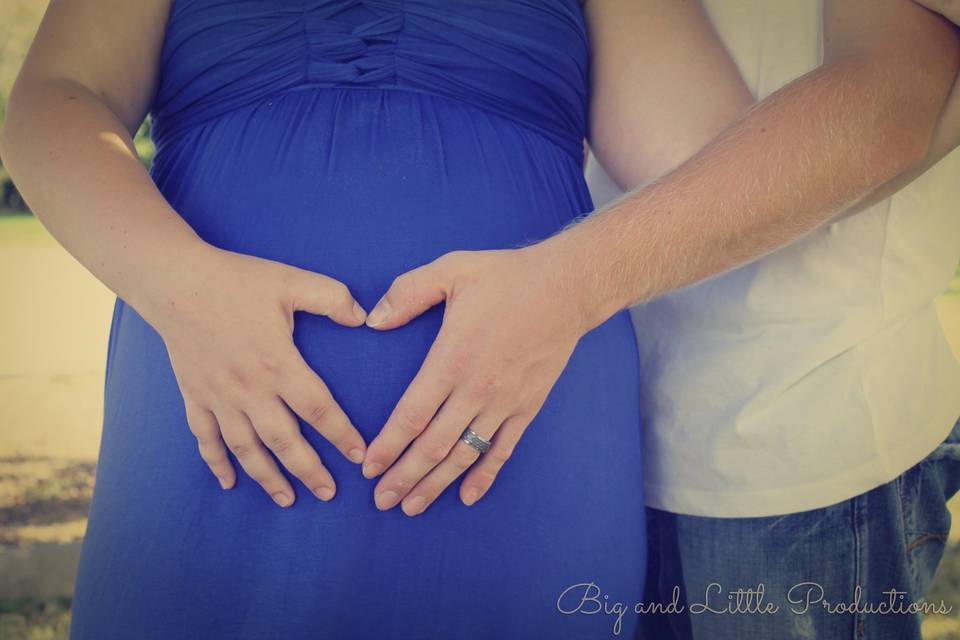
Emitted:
pixel 508 331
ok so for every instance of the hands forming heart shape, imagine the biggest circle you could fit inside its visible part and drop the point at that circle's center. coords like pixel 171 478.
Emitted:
pixel 511 322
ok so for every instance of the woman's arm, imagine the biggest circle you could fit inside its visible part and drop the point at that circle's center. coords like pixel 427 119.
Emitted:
pixel 946 138
pixel 662 86
pixel 84 88
pixel 682 114
pixel 226 319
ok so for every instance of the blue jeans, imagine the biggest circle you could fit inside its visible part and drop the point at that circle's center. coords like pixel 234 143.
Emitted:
pixel 813 574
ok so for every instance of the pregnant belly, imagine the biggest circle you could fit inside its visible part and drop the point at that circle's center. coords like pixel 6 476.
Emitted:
pixel 363 185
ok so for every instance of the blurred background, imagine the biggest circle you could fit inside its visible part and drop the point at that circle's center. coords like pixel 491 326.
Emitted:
pixel 53 337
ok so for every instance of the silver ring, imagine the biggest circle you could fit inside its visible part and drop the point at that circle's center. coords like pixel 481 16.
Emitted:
pixel 473 439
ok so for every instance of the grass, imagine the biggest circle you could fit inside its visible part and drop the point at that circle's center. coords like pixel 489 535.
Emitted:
pixel 954 287
pixel 32 619
pixel 21 229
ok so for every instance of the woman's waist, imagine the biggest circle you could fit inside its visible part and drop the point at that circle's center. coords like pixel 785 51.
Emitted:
pixel 327 193
pixel 169 128
pixel 355 135
pixel 365 241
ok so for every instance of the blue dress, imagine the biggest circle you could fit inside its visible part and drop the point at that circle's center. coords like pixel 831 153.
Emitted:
pixel 360 139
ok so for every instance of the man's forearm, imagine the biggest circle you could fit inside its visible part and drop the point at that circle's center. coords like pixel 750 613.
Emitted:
pixel 787 166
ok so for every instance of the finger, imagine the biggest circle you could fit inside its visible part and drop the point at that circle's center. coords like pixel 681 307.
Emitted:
pixel 482 474
pixel 307 395
pixel 278 429
pixel 427 451
pixel 322 295
pixel 242 439
pixel 459 460
pixel 410 417
pixel 203 425
pixel 409 295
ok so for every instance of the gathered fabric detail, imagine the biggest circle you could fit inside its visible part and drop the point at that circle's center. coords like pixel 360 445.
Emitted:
pixel 527 60
pixel 339 53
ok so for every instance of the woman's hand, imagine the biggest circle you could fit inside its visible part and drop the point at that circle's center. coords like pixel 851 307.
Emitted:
pixel 508 330
pixel 228 325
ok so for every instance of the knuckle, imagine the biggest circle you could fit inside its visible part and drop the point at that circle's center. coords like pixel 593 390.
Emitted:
pixel 269 363
pixel 285 275
pixel 484 475
pixel 210 454
pixel 242 448
pixel 289 282
pixel 411 421
pixel 452 257
pixel 402 284
pixel 248 374
pixel 433 452
pixel 262 475
pixel 403 485
pixel 280 442
pixel 270 482
pixel 458 363
pixel 486 386
pixel 205 441
pixel 214 458
pixel 316 477
pixel 405 287
pixel 239 378
pixel 341 292
pixel 316 413
pixel 500 455
pixel 203 430
pixel 463 456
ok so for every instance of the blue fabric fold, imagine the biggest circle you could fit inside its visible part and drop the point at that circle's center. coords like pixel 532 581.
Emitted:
pixel 524 60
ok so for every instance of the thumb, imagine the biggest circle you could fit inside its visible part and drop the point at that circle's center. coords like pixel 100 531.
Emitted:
pixel 409 295
pixel 321 295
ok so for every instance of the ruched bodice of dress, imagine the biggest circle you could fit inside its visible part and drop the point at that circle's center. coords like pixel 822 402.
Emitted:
pixel 523 59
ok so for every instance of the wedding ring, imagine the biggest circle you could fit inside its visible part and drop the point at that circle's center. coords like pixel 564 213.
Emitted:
pixel 473 439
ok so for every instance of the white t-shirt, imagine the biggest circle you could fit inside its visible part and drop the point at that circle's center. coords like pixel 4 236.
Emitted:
pixel 818 372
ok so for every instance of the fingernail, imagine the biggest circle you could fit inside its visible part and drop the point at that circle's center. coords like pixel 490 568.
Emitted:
pixel 386 500
pixel 416 506
pixel 470 496
pixel 281 498
pixel 379 313
pixel 223 483
pixel 324 493
pixel 359 312
pixel 372 470
pixel 356 455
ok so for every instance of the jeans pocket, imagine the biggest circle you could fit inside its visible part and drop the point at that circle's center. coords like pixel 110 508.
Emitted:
pixel 946 460
pixel 924 490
